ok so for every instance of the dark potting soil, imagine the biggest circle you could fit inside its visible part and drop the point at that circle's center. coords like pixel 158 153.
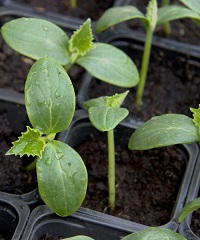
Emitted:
pixel 183 30
pixel 14 67
pixel 172 85
pixel 195 223
pixel 50 237
pixel 147 182
pixel 85 9
pixel 13 176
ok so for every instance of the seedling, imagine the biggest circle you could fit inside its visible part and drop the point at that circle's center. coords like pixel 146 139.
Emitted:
pixel 37 38
pixel 150 233
pixel 105 114
pixel 153 18
pixel 166 130
pixel 192 5
pixel 50 106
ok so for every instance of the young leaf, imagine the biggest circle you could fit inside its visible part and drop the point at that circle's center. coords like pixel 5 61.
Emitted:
pixel 189 208
pixel 81 41
pixel 173 12
pixel 78 238
pixel 111 65
pixel 95 102
pixel 106 118
pixel 49 96
pixel 105 112
pixel 36 38
pixel 116 100
pixel 164 130
pixel 196 116
pixel 62 178
pixel 154 233
pixel 30 143
pixel 152 14
pixel 194 5
pixel 116 15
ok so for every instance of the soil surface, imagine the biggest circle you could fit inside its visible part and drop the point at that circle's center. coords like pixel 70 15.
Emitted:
pixel 85 8
pixel 147 182
pixel 195 223
pixel 50 237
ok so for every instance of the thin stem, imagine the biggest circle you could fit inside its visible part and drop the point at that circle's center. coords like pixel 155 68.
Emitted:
pixel 144 67
pixel 166 26
pixel 111 170
pixel 32 165
pixel 72 4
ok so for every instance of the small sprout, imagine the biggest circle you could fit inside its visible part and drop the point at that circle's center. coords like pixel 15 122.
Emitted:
pixel 38 38
pixel 105 114
pixel 167 130
pixel 154 17
pixel 61 173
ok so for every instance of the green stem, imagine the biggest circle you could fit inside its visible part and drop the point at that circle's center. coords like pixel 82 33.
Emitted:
pixel 32 165
pixel 166 26
pixel 144 67
pixel 111 170
pixel 72 4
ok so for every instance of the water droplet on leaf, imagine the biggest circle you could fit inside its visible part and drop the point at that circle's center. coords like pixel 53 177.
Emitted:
pixel 48 162
pixel 45 28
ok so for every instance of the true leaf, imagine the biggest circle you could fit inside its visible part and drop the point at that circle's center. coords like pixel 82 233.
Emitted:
pixel 173 12
pixel 49 96
pixel 81 40
pixel 111 65
pixel 30 143
pixel 116 100
pixel 152 14
pixel 196 116
pixel 106 118
pixel 154 233
pixel 164 130
pixel 189 208
pixel 62 178
pixel 36 38
pixel 116 15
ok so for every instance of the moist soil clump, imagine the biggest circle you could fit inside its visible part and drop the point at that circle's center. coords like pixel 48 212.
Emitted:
pixel 147 182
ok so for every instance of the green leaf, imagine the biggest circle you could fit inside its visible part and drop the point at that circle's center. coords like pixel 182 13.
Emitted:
pixel 36 38
pixel 111 65
pixel 78 238
pixel 30 143
pixel 154 233
pixel 196 116
pixel 193 5
pixel 95 102
pixel 62 178
pixel 81 41
pixel 164 130
pixel 173 12
pixel 152 14
pixel 106 118
pixel 116 100
pixel 49 96
pixel 189 208
pixel 116 15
